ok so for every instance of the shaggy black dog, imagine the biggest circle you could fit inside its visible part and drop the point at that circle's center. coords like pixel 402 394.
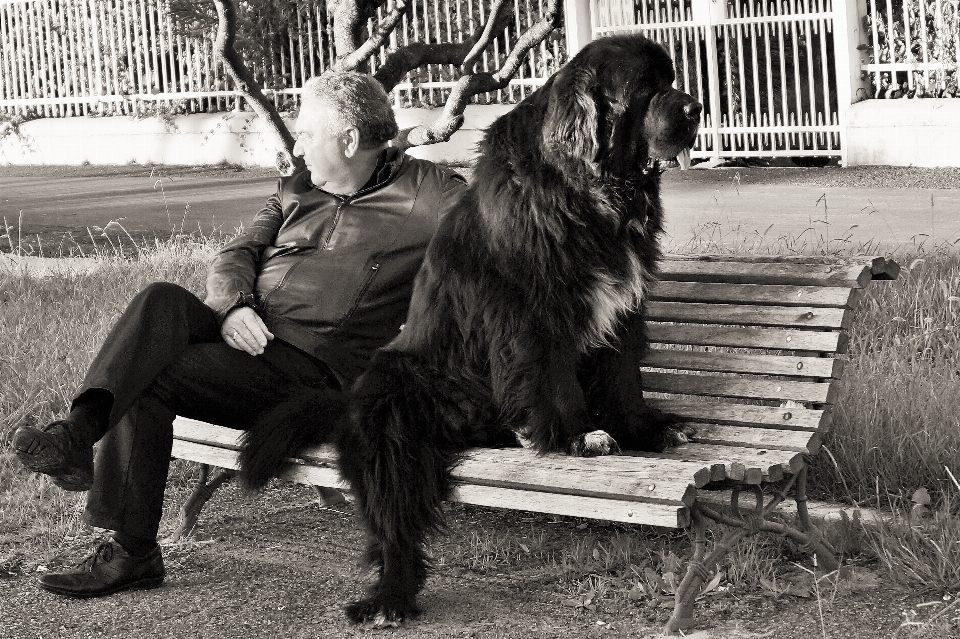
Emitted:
pixel 525 316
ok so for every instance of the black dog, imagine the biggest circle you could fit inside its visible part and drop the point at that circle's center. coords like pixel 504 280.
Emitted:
pixel 525 316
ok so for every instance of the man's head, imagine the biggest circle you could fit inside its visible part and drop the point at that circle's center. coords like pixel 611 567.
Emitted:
pixel 345 120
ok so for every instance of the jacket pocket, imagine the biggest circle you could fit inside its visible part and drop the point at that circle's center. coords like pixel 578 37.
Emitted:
pixel 364 287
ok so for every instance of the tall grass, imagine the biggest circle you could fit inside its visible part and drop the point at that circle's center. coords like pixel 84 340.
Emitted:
pixel 896 426
pixel 50 329
pixel 897 418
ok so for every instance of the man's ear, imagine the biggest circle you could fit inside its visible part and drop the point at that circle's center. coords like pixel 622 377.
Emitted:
pixel 350 139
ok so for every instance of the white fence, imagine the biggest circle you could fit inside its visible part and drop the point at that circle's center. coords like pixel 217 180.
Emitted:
pixel 764 72
pixel 77 57
pixel 775 76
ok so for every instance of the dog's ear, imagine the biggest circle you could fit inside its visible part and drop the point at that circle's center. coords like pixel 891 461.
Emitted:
pixel 570 127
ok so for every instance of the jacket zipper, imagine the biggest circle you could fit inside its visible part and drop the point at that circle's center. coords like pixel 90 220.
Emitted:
pixel 333 227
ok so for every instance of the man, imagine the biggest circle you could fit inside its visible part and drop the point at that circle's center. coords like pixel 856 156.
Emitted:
pixel 294 309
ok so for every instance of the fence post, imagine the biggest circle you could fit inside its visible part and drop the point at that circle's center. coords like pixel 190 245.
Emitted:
pixel 851 85
pixel 708 13
pixel 578 23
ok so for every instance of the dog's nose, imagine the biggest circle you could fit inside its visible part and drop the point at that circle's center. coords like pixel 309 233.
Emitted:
pixel 693 110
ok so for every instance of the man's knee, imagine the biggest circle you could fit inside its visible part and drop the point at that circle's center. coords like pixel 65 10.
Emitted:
pixel 160 298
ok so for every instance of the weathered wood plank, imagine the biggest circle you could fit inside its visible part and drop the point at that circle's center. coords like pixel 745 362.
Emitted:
pixel 747 465
pixel 807 419
pixel 615 476
pixel 747 337
pixel 719 362
pixel 854 272
pixel 744 315
pixel 761 438
pixel 741 388
pixel 850 276
pixel 652 514
pixel 758 294
pixel 196 431
pixel 631 512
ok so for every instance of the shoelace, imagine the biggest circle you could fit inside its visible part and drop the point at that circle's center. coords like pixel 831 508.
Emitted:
pixel 103 552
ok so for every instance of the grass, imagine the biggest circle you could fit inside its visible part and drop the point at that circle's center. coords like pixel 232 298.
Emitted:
pixel 896 429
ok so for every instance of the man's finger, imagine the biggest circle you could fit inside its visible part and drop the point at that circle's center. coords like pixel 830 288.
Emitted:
pixel 255 329
pixel 248 340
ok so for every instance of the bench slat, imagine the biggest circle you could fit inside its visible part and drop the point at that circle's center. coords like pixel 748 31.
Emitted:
pixel 720 362
pixel 651 514
pixel 846 272
pixel 745 414
pixel 747 337
pixel 606 477
pixel 747 465
pixel 743 315
pixel 764 438
pixel 663 481
pixel 737 387
pixel 757 294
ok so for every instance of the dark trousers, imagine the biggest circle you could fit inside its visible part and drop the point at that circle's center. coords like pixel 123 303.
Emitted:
pixel 163 358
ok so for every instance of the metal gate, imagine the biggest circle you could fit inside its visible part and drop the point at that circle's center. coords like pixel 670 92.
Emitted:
pixel 764 71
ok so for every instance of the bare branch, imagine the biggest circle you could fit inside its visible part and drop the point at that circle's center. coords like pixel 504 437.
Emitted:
pixel 224 47
pixel 475 83
pixel 460 54
pixel 352 60
pixel 489 29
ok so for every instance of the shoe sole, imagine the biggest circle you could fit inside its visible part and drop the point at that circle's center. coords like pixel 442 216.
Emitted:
pixel 142 584
pixel 49 460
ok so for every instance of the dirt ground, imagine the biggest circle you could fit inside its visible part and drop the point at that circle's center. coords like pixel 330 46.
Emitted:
pixel 278 565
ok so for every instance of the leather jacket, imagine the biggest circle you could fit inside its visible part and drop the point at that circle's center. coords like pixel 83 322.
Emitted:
pixel 333 275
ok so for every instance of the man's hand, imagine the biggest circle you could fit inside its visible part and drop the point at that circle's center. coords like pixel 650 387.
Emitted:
pixel 245 331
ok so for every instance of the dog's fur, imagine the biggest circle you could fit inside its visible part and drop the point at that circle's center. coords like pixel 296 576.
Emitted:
pixel 525 317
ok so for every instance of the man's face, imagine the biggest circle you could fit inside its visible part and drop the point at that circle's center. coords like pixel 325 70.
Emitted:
pixel 322 152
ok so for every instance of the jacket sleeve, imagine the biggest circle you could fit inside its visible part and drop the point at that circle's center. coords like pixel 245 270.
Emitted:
pixel 233 271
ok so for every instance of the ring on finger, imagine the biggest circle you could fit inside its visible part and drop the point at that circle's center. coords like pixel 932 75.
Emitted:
pixel 236 336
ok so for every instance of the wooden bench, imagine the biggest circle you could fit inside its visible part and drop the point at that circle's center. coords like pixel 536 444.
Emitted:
pixel 746 348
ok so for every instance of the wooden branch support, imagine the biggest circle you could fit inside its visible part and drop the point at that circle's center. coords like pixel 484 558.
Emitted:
pixel 743 525
pixel 202 492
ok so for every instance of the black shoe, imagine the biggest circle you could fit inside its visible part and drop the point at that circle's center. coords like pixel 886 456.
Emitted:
pixel 52 451
pixel 108 570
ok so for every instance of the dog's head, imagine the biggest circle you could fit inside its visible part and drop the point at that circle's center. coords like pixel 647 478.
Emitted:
pixel 612 110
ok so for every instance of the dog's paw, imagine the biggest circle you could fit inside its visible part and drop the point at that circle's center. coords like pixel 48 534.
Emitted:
pixel 374 614
pixel 679 433
pixel 593 444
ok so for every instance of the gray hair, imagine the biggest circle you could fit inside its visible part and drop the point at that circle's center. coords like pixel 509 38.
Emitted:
pixel 357 100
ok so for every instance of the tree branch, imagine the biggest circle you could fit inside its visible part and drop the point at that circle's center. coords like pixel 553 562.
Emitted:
pixel 350 61
pixel 224 47
pixel 475 83
pixel 461 54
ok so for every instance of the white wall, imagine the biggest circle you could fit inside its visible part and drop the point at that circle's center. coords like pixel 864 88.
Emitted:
pixel 904 132
pixel 888 132
pixel 238 138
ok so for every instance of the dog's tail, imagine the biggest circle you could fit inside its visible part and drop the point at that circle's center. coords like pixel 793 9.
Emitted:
pixel 407 433
pixel 286 427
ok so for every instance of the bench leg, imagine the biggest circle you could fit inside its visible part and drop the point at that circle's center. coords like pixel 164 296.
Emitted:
pixel 742 525
pixel 190 512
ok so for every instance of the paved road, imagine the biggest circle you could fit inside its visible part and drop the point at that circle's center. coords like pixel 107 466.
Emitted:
pixel 768 209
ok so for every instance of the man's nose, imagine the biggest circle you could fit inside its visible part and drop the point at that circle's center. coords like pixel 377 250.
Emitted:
pixel 296 149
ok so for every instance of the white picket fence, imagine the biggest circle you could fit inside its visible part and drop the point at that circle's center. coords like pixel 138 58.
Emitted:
pixel 77 57
pixel 762 71
pixel 775 76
